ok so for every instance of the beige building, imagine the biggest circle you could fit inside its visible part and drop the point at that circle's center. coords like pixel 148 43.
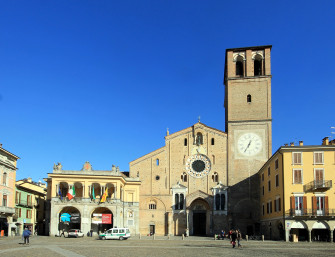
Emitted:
pixel 85 210
pixel 297 193
pixel 8 169
pixel 203 179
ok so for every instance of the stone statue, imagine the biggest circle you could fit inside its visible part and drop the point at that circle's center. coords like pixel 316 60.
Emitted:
pixel 113 168
pixel 57 166
pixel 117 169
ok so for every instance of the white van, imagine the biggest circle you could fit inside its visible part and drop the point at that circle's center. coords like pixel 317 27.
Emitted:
pixel 116 233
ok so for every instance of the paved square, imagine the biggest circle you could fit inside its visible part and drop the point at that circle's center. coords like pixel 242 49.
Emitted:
pixel 162 247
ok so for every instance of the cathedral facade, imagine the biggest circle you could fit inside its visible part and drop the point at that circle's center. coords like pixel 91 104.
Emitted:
pixel 204 180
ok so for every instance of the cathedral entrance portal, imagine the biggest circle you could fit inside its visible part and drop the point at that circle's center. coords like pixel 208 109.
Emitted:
pixel 199 223
pixel 199 214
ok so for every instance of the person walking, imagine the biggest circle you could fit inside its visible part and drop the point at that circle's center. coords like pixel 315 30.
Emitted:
pixel 62 234
pixel 26 234
pixel 222 234
pixel 233 238
pixel 239 238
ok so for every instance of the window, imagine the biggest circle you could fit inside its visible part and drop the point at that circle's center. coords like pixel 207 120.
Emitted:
pixel 199 140
pixel 179 201
pixel 258 65
pixel 212 141
pixel 185 142
pixel 28 216
pixel 157 162
pixel 320 205
pixel 269 185
pixel 269 207
pixel 4 200
pixel 29 202
pixel 263 190
pixel 263 209
pixel 297 176
pixel 215 177
pixel 318 158
pixel 239 66
pixel 269 171
pixel 158 177
pixel 4 179
pixel 299 205
pixel 277 180
pixel 276 164
pixel 18 197
pixel 248 98
pixel 277 204
pixel 262 176
pixel 319 175
pixel 184 177
pixel 220 201
pixel 152 205
pixel 213 156
pixel 296 158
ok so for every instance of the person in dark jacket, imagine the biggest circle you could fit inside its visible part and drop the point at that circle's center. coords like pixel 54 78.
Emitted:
pixel 233 238
pixel 26 235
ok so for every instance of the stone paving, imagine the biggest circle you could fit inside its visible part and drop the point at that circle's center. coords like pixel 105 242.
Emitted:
pixel 161 246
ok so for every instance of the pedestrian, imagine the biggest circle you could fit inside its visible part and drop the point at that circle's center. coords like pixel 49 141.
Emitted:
pixel 26 234
pixel 233 238
pixel 239 238
pixel 91 231
pixel 62 234
pixel 222 234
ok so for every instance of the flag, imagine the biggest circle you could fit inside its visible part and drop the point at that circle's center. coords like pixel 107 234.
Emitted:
pixel 93 194
pixel 104 196
pixel 72 194
pixel 60 194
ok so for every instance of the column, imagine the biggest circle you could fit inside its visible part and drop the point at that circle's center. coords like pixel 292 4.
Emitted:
pixel 287 235
pixel 187 225
pixel 309 235
pixel 331 236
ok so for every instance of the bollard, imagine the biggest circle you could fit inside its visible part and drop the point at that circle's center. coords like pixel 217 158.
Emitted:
pixel 246 237
pixel 263 238
pixel 214 237
pixel 182 237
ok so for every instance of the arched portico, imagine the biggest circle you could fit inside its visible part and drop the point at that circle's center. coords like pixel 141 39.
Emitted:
pixel 69 218
pixel 101 219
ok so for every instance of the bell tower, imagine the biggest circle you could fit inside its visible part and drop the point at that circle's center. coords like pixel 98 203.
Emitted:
pixel 248 123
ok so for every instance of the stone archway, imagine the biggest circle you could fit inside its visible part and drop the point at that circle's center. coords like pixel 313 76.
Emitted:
pixel 69 218
pixel 101 220
pixel 199 217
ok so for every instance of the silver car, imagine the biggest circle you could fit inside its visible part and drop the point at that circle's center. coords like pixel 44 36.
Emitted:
pixel 75 233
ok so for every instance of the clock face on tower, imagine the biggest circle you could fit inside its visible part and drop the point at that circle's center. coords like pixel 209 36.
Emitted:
pixel 249 144
pixel 198 165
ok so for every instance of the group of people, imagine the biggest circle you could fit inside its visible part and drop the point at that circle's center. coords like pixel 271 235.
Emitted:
pixel 233 235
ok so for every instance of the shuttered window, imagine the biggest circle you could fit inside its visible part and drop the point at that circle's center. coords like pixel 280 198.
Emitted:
pixel 297 176
pixel 319 175
pixel 296 157
pixel 318 158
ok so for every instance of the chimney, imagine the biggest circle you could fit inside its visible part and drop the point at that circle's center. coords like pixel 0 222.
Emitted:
pixel 0 145
pixel 301 143
pixel 325 141
pixel 332 142
pixel 285 144
pixel 292 143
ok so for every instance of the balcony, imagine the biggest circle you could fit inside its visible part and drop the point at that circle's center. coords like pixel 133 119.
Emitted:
pixel 25 203
pixel 322 185
pixel 309 213
pixel 8 210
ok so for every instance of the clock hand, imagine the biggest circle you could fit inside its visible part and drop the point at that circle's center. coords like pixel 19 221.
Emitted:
pixel 247 146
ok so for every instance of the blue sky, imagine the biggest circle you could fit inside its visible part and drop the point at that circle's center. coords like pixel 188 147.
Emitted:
pixel 101 81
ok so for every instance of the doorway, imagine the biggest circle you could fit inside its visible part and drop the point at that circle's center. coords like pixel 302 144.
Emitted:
pixel 199 223
pixel 152 230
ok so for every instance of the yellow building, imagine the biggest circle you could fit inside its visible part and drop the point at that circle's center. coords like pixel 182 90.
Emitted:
pixel 101 199
pixel 297 194
pixel 30 206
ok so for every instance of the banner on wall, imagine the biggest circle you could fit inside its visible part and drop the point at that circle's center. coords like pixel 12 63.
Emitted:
pixel 100 218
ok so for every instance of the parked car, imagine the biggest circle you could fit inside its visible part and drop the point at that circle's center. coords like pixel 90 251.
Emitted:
pixel 75 233
pixel 116 233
